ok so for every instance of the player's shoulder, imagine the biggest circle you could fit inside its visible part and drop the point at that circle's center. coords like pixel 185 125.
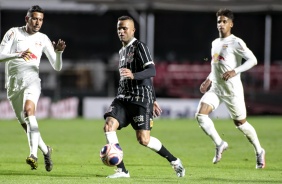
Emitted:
pixel 236 39
pixel 215 41
pixel 15 29
pixel 42 35
pixel 238 42
pixel 140 45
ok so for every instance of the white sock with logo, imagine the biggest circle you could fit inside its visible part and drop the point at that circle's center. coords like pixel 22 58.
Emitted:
pixel 208 127
pixel 251 135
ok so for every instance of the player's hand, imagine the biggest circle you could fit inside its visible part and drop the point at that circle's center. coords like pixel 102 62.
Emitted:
pixel 205 85
pixel 27 55
pixel 228 75
pixel 156 110
pixel 126 73
pixel 60 46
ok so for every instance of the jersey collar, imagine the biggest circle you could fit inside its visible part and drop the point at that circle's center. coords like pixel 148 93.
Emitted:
pixel 130 43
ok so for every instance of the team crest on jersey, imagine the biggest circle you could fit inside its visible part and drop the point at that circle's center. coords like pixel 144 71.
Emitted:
pixel 130 56
pixel 38 44
pixel 225 46
pixel 216 58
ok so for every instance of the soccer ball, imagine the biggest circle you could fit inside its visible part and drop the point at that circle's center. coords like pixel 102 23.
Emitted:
pixel 111 154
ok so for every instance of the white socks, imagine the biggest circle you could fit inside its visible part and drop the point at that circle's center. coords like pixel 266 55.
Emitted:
pixel 111 137
pixel 251 135
pixel 207 125
pixel 42 146
pixel 32 134
pixel 154 144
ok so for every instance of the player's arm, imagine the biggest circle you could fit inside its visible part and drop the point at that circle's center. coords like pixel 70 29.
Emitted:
pixel 54 52
pixel 5 47
pixel 148 72
pixel 146 58
pixel 242 50
pixel 247 54
pixel 205 85
pixel 156 108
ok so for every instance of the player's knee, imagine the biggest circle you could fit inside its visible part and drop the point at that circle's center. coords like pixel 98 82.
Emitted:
pixel 200 117
pixel 111 124
pixel 143 141
pixel 239 122
pixel 32 125
pixel 28 111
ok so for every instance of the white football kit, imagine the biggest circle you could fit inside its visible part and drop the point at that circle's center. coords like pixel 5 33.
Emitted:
pixel 22 77
pixel 227 54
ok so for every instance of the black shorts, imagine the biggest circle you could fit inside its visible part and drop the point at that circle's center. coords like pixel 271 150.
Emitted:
pixel 140 117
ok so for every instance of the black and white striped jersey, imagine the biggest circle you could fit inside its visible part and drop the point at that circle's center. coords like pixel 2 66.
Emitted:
pixel 136 57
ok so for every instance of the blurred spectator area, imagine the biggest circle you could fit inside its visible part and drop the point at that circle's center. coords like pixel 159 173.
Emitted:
pixel 183 79
pixel 173 80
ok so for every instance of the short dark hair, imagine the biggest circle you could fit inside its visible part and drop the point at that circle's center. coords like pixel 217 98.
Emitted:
pixel 226 13
pixel 125 17
pixel 34 8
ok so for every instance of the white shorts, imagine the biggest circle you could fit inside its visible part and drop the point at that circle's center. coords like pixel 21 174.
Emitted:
pixel 17 98
pixel 235 104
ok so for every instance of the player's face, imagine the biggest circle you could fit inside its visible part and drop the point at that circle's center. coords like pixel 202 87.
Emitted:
pixel 125 30
pixel 224 26
pixel 34 22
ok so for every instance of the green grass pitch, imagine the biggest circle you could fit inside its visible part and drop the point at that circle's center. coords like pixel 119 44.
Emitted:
pixel 77 143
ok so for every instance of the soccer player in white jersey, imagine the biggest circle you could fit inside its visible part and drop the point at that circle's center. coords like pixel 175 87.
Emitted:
pixel 226 86
pixel 21 49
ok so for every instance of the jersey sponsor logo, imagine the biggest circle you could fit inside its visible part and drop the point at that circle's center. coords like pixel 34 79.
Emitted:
pixel 139 124
pixel 33 56
pixel 139 118
pixel 216 58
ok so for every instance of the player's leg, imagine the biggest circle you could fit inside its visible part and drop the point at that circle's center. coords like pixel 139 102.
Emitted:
pixel 142 123
pixel 115 111
pixel 238 114
pixel 31 97
pixel 16 99
pixel 144 138
pixel 207 104
pixel 46 150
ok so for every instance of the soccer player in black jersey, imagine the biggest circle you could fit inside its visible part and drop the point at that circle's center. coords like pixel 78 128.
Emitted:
pixel 135 102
